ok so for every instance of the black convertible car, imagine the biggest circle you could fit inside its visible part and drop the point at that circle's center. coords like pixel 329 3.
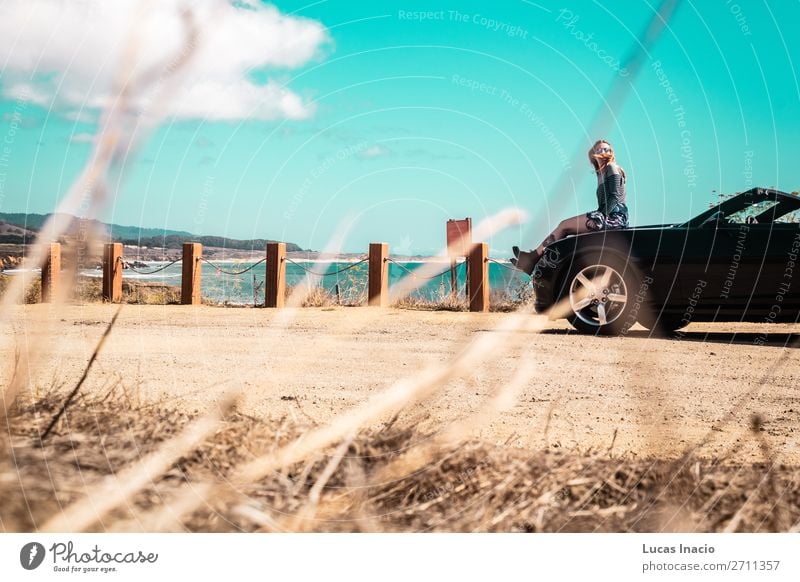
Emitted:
pixel 737 261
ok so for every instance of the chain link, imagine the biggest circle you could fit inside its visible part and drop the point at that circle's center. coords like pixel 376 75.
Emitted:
pixel 504 265
pixel 161 268
pixel 234 273
pixel 307 270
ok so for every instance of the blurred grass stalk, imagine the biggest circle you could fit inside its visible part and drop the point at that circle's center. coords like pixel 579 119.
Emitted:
pixel 122 129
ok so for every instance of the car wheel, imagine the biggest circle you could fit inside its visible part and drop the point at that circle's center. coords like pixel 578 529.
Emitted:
pixel 659 324
pixel 601 294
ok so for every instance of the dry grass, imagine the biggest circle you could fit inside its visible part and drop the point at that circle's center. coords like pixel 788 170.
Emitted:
pixel 316 297
pixel 440 302
pixel 470 486
pixel 33 293
pixel 500 300
pixel 89 289
pixel 150 293
pixel 133 292
pixel 511 299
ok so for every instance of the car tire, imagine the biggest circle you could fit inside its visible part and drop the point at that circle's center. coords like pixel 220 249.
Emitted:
pixel 659 324
pixel 599 291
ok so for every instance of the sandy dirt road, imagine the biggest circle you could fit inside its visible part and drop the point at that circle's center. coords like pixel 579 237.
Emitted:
pixel 659 395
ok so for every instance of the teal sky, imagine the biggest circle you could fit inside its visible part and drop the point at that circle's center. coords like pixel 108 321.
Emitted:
pixel 479 107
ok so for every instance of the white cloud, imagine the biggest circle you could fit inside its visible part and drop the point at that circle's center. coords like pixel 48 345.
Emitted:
pixel 67 54
pixel 375 151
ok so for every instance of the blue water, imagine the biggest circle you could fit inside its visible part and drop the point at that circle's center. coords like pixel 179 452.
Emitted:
pixel 352 284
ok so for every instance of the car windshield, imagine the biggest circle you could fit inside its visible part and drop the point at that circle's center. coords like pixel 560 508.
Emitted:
pixel 791 217
pixel 751 212
pixel 756 206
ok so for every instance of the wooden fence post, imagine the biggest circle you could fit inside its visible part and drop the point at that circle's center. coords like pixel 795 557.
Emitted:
pixel 275 291
pixel 478 274
pixel 51 273
pixel 112 272
pixel 378 295
pixel 191 274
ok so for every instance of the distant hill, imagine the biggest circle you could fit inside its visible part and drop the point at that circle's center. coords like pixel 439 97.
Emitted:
pixel 21 228
pixel 34 222
pixel 175 241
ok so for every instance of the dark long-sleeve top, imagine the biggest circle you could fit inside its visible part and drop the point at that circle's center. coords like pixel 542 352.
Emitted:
pixel 611 190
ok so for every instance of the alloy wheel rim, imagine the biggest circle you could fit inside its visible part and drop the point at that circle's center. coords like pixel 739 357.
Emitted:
pixel 598 295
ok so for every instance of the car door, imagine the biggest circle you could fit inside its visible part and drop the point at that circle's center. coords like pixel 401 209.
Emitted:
pixel 659 251
pixel 772 254
pixel 715 279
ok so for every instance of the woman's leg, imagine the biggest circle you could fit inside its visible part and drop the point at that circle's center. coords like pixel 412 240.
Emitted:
pixel 568 226
pixel 525 261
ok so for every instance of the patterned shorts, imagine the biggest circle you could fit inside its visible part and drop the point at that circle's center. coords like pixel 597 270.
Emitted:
pixel 596 220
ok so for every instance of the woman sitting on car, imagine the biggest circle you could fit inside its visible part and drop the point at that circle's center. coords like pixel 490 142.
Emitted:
pixel 611 210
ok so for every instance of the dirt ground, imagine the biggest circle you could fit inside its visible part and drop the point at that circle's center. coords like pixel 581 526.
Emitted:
pixel 659 396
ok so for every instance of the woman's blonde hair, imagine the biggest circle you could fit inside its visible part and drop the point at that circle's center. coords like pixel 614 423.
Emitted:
pixel 600 161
